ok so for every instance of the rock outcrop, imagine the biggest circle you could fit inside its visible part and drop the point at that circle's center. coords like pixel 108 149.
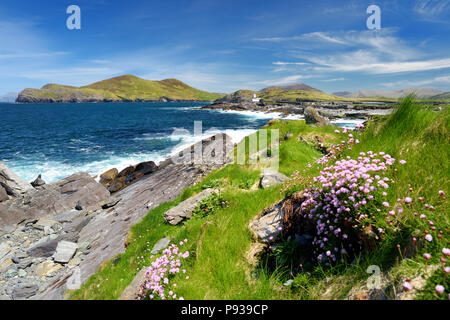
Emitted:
pixel 271 178
pixel 52 198
pixel 47 246
pixel 38 182
pixel 12 183
pixel 267 225
pixel 115 181
pixel 183 211
pixel 312 116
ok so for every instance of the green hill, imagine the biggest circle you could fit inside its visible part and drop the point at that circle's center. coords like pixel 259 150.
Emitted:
pixel 274 94
pixel 123 88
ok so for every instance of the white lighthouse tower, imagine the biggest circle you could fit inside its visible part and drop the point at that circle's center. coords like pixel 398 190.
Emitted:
pixel 255 99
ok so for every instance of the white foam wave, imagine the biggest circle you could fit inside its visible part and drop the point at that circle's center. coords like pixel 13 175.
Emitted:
pixel 347 123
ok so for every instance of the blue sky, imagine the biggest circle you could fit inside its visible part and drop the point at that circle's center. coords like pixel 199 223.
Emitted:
pixel 222 46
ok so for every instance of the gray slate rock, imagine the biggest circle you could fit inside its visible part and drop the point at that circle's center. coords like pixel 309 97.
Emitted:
pixel 184 209
pixel 54 199
pixel 38 182
pixel 45 248
pixel 4 249
pixel 12 183
pixel 160 245
pixel 24 291
pixel 65 251
pixel 132 290
pixel 271 178
pixel 265 225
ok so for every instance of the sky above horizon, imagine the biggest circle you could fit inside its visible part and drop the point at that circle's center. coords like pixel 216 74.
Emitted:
pixel 223 46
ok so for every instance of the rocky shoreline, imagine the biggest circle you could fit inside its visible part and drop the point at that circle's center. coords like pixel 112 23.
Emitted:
pixel 54 236
pixel 329 110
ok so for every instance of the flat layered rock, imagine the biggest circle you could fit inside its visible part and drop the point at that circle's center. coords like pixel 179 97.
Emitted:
pixel 12 183
pixel 106 230
pixel 65 251
pixel 53 199
pixel 183 210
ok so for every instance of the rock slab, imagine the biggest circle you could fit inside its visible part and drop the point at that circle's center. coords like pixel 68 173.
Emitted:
pixel 271 178
pixel 265 225
pixel 65 251
pixel 184 209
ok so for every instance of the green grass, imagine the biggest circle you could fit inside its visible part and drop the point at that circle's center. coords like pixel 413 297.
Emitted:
pixel 218 266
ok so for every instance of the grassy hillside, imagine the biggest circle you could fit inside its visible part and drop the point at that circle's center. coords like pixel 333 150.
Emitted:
pixel 123 88
pixel 219 266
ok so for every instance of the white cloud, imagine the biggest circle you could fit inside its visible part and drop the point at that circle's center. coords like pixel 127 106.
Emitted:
pixel 280 81
pixel 280 63
pixel 441 80
pixel 431 7
pixel 333 80
pixel 347 64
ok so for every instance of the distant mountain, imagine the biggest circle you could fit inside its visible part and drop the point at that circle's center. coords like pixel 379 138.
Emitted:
pixel 445 95
pixel 342 93
pixel 295 86
pixel 419 92
pixel 9 97
pixel 123 88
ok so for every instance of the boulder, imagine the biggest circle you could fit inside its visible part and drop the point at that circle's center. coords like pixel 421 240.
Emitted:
pixel 65 251
pixel 127 176
pixel 54 199
pixel 265 225
pixel 38 182
pixel 312 116
pixel 108 176
pixel 184 209
pixel 12 183
pixel 271 178
pixel 125 172
pixel 146 167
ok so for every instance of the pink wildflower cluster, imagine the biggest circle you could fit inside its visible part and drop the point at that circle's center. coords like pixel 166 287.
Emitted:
pixel 157 276
pixel 344 203
pixel 335 149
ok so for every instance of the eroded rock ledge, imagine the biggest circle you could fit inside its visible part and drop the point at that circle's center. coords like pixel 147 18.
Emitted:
pixel 60 233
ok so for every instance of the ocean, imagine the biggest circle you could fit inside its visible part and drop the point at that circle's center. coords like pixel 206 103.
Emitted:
pixel 57 140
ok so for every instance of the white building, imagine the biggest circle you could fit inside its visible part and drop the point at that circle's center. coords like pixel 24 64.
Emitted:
pixel 255 99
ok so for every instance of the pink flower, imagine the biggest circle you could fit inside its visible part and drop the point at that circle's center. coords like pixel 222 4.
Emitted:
pixel 446 252
pixel 441 193
pixel 439 289
pixel 408 200
pixel 407 286
pixel 385 203
pixel 429 237
pixel 402 161
pixel 427 256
